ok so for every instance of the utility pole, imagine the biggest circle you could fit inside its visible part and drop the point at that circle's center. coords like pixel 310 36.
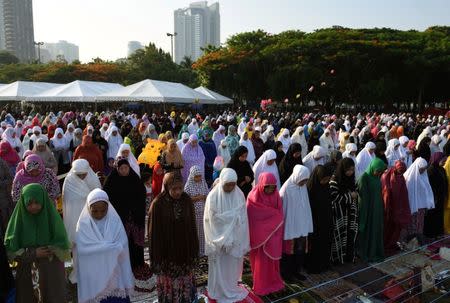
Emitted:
pixel 171 43
pixel 39 44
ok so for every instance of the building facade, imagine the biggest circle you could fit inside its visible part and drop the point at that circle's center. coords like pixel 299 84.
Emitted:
pixel 16 29
pixel 196 27
pixel 61 50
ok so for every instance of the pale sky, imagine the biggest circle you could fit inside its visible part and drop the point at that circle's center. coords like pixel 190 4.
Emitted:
pixel 102 28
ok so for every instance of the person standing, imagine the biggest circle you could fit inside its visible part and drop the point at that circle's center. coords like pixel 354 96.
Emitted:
pixel 371 248
pixel 397 214
pixel 36 234
pixel 103 266
pixel 227 239
pixel 173 242
pixel 344 203
pixel 243 170
pixel 265 218
pixel 318 257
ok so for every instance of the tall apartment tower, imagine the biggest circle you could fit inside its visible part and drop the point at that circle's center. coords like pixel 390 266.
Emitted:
pixel 196 27
pixel 16 29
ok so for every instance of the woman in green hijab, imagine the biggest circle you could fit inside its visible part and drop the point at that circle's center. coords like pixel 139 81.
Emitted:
pixel 371 223
pixel 36 238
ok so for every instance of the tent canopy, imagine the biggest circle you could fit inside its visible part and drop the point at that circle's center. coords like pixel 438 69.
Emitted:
pixel 216 96
pixel 19 90
pixel 76 91
pixel 157 91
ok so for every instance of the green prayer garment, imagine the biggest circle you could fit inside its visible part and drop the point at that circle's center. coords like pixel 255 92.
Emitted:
pixel 26 230
pixel 370 243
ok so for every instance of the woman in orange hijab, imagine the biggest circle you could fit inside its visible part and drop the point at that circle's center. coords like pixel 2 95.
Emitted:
pixel 89 151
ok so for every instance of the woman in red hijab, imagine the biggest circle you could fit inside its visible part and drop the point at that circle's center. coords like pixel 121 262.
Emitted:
pixel 10 156
pixel 265 220
pixel 157 179
pixel 51 130
pixel 89 151
pixel 397 214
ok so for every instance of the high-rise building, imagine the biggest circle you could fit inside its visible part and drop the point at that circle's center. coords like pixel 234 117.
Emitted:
pixel 16 29
pixel 61 50
pixel 133 46
pixel 196 27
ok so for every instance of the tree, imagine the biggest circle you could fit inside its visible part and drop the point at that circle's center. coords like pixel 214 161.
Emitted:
pixel 7 58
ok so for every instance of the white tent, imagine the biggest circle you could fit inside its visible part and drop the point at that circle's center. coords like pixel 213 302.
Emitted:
pixel 19 90
pixel 157 91
pixel 216 96
pixel 76 91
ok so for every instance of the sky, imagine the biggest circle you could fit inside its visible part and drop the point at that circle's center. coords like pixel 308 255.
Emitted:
pixel 102 28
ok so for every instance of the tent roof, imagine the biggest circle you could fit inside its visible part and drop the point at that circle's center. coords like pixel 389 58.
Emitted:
pixel 157 91
pixel 19 90
pixel 76 91
pixel 220 98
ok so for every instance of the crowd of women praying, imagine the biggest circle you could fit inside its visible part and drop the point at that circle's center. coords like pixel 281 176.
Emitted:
pixel 295 193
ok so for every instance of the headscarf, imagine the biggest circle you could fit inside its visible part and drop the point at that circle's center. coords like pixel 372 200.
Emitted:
pixel 75 192
pixel 285 141
pixel 10 136
pixel 296 207
pixel 46 228
pixel 226 220
pixel 420 193
pixel 217 136
pixel 173 157
pixel 265 218
pixel 364 158
pixel 345 183
pixel 157 179
pixel 232 139
pixel 261 166
pixel 59 143
pixel 31 162
pixel 46 156
pixel 131 158
pixel 180 143
pixel 8 154
pixel 326 142
pixel 224 152
pixel 192 156
pixel 288 162
pixel 251 151
pixel 310 161
pixel 104 268
pixel 193 127
pixel 300 138
pixel 193 188
pixel 395 195
pixel 393 154
pixel 114 142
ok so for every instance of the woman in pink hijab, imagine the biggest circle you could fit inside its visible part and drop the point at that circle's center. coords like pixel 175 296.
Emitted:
pixel 265 220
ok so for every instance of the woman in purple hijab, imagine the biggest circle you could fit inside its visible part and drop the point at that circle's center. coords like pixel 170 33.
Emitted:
pixel 192 155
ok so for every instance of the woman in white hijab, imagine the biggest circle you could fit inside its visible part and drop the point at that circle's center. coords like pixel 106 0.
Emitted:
pixel 435 144
pixel 299 137
pixel 393 152
pixel 114 142
pixel 266 164
pixel 247 143
pixel 285 139
pixel 37 134
pixel 364 157
pixel 267 133
pixel 420 194
pixel 315 157
pixel 298 221
pixel 227 238
pixel 425 133
pixel 60 147
pixel 104 270
pixel 10 135
pixel 26 140
pixel 350 152
pixel 219 135
pixel 104 130
pixel 193 127
pixel 183 141
pixel 444 139
pixel 224 152
pixel 242 126
pixel 125 152
pixel 326 142
pixel 79 182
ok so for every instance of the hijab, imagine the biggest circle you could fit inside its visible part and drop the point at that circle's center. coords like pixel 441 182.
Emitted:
pixel 104 268
pixel 310 161
pixel 364 158
pixel 251 151
pixel 261 166
pixel 36 230
pixel 157 179
pixel 131 158
pixel 344 182
pixel 59 143
pixel 193 188
pixel 300 139
pixel 296 207
pixel 265 218
pixel 224 152
pixel 288 162
pixel 225 219
pixel 31 162
pixel 420 193
pixel 173 157
pixel 8 154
